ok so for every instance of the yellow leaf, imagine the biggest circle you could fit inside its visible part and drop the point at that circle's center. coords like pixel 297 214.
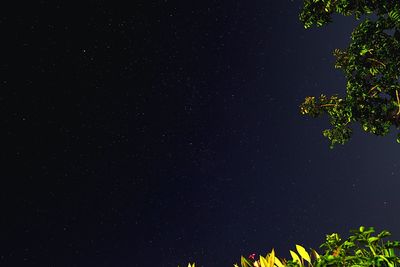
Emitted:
pixel 278 262
pixel 263 262
pixel 303 253
pixel 316 254
pixel 271 258
pixel 295 257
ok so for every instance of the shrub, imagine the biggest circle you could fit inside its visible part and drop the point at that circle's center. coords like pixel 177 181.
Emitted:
pixel 361 249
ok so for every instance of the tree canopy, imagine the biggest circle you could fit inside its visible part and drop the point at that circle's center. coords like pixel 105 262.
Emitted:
pixel 371 65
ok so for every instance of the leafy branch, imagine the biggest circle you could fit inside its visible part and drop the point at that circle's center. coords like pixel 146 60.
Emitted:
pixel 371 65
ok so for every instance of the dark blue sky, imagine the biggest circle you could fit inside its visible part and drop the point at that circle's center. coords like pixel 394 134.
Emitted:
pixel 169 132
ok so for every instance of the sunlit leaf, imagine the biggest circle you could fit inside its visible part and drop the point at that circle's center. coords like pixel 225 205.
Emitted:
pixel 278 263
pixel 303 253
pixel 263 262
pixel 294 256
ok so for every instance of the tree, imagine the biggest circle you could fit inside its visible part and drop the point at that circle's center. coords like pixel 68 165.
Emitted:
pixel 371 65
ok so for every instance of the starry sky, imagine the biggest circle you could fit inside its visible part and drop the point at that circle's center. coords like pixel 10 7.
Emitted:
pixel 163 132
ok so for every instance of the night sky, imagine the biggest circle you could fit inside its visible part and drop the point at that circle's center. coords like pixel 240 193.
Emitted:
pixel 154 133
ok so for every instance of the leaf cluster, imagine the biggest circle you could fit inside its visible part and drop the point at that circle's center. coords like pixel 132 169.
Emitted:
pixel 319 12
pixel 361 249
pixel 371 65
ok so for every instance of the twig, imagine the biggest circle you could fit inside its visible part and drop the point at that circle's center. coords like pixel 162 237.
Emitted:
pixel 327 105
pixel 377 61
pixel 370 90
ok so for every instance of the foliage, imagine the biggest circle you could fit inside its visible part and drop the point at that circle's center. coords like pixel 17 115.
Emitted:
pixel 361 249
pixel 371 65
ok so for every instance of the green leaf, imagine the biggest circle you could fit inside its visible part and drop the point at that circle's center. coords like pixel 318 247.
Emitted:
pixel 244 262
pixel 373 239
